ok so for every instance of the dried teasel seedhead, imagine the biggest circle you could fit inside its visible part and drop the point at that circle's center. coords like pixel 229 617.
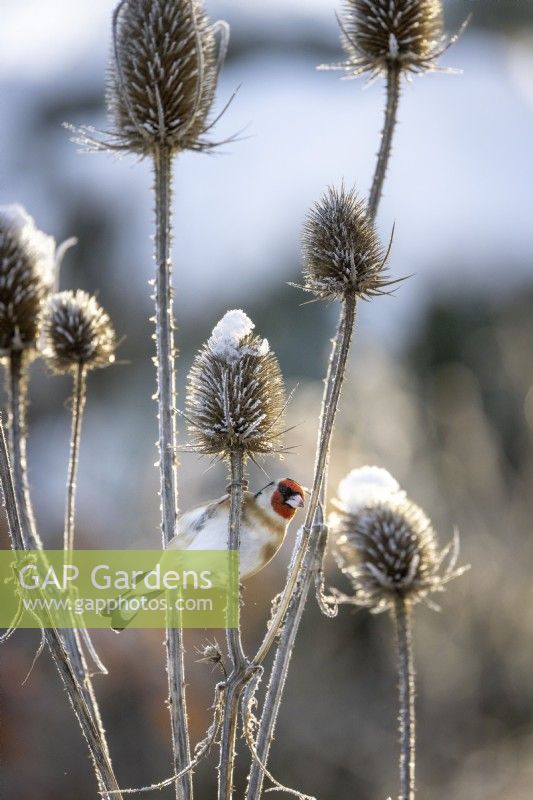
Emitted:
pixel 341 249
pixel 235 392
pixel 163 75
pixel 27 267
pixel 386 544
pixel 378 35
pixel 77 332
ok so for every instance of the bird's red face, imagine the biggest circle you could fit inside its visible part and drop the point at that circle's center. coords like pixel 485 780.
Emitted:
pixel 287 498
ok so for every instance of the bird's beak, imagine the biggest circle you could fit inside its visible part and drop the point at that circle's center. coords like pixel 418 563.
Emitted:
pixel 295 501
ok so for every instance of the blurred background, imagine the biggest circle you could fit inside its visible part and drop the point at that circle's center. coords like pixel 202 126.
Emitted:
pixel 440 389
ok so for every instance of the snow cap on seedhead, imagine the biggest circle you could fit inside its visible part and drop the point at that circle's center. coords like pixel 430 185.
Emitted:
pixel 366 485
pixel 77 333
pixel 235 392
pixel 27 270
pixel 378 35
pixel 385 543
pixel 341 249
pixel 163 74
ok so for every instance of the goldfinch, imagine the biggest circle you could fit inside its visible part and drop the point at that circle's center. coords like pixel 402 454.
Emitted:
pixel 264 521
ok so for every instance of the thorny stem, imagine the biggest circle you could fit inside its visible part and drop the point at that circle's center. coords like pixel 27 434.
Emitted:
pixel 78 406
pixel 391 110
pixel 17 442
pixel 310 537
pixel 276 685
pixel 300 581
pixel 240 673
pixel 17 435
pixel 21 538
pixel 332 391
pixel 166 397
pixel 406 677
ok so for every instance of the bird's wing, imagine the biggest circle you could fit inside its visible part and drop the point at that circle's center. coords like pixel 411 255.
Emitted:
pixel 194 521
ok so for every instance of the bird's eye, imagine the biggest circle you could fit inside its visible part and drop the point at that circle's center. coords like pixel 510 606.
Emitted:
pixel 284 490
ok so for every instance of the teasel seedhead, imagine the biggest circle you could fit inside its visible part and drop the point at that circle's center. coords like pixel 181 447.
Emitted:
pixel 379 35
pixel 235 393
pixel 27 272
pixel 162 77
pixel 342 254
pixel 77 332
pixel 386 544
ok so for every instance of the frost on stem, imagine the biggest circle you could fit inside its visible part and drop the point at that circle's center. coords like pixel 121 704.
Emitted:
pixel 162 76
pixel 77 333
pixel 403 35
pixel 27 268
pixel 341 249
pixel 386 544
pixel 235 392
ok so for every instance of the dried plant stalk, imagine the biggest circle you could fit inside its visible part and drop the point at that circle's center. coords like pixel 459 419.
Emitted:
pixel 166 399
pixel 406 685
pixel 22 539
pixel 239 675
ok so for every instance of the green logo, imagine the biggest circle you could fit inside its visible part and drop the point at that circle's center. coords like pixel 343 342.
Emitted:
pixel 119 589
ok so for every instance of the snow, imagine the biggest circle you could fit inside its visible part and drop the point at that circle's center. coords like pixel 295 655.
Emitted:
pixel 228 334
pixel 15 218
pixel 366 486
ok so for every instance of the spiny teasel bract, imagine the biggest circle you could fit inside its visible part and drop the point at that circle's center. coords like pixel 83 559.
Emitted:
pixel 386 544
pixel 27 265
pixel 235 392
pixel 163 75
pixel 342 254
pixel 380 34
pixel 77 332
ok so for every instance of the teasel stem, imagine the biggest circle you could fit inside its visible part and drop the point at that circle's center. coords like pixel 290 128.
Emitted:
pixel 278 678
pixel 391 111
pixel 240 672
pixel 166 381
pixel 22 539
pixel 300 577
pixel 406 684
pixel 17 385
pixel 79 396
pixel 18 379
pixel 313 526
pixel 332 391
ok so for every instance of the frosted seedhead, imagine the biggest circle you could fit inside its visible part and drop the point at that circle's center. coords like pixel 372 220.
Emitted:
pixel 341 249
pixel 380 35
pixel 385 543
pixel 163 74
pixel 77 333
pixel 27 270
pixel 235 392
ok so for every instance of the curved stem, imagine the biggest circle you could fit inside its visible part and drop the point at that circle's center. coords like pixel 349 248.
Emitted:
pixel 88 717
pixel 166 384
pixel 240 673
pixel 332 391
pixel 406 683
pixel 278 678
pixel 17 385
pixel 310 536
pixel 79 394
pixel 306 552
pixel 17 390
pixel 391 111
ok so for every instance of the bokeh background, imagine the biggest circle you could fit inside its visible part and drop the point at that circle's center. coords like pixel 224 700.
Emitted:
pixel 440 389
